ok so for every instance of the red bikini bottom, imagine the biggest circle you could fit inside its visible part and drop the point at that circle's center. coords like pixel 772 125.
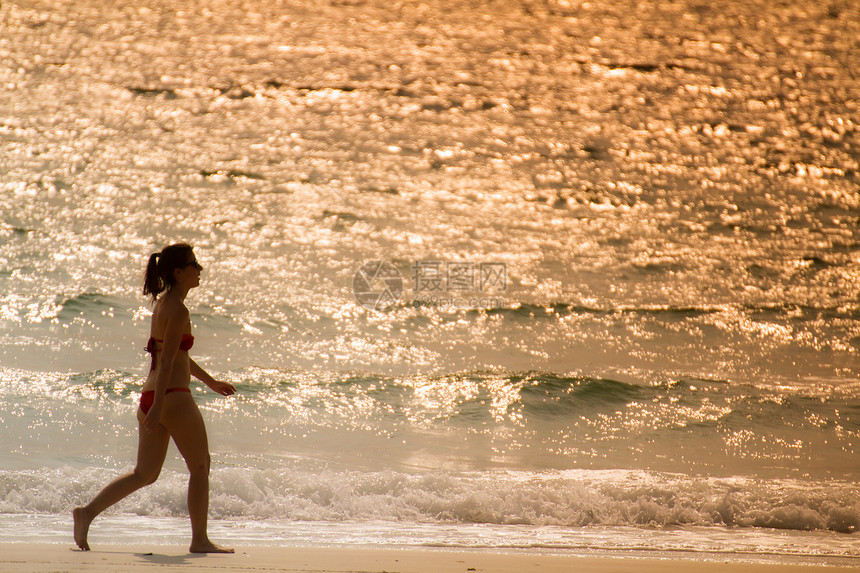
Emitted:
pixel 148 397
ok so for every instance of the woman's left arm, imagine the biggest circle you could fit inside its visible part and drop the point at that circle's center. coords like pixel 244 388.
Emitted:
pixel 223 388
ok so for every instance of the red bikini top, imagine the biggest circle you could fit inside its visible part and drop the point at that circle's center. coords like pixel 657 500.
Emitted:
pixel 185 343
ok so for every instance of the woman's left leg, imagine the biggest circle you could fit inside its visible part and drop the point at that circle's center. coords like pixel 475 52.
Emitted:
pixel 185 424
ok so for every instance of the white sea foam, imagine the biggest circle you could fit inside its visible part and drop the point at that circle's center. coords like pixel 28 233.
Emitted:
pixel 572 499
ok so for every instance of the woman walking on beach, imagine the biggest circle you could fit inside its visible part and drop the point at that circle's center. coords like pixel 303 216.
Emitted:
pixel 167 409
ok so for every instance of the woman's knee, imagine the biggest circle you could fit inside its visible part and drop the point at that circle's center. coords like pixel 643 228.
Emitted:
pixel 199 465
pixel 146 477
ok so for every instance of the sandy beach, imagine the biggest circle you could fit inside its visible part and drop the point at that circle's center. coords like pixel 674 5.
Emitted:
pixel 35 557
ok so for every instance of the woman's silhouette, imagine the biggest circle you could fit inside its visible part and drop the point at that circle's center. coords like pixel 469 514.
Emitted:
pixel 167 409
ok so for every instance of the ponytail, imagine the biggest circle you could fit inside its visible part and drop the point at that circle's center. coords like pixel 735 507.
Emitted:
pixel 152 283
pixel 159 269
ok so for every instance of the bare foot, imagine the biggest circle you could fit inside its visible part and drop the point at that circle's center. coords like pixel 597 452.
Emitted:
pixel 82 527
pixel 209 547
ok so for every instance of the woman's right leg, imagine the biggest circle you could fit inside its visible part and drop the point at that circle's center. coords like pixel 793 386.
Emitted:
pixel 151 450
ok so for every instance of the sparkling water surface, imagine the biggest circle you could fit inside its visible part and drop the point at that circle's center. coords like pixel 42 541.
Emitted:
pixel 672 188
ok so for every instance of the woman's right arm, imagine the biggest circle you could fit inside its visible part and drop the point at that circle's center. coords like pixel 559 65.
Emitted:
pixel 176 323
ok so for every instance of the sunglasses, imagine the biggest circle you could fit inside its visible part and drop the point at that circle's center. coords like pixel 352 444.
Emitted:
pixel 194 264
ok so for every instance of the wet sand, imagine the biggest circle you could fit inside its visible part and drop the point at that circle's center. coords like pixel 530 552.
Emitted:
pixel 34 557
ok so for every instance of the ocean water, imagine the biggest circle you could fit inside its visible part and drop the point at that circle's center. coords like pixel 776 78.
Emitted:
pixel 534 275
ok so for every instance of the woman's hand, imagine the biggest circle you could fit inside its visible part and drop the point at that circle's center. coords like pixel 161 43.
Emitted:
pixel 223 388
pixel 153 418
pixel 219 386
